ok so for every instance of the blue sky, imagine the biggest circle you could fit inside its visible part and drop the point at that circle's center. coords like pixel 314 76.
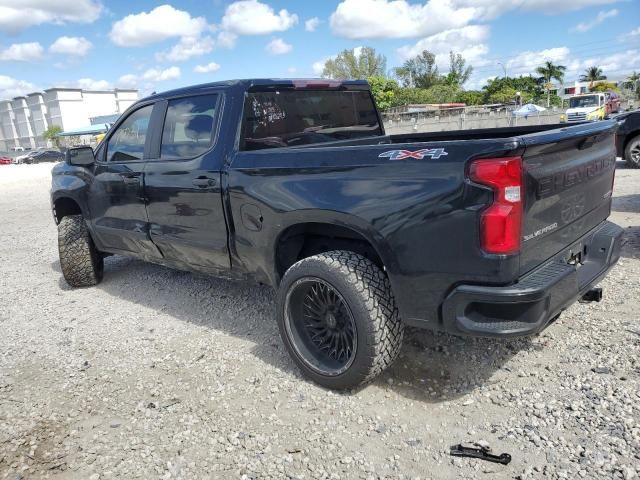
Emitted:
pixel 154 45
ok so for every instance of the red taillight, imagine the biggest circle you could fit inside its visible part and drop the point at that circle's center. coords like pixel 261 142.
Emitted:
pixel 501 222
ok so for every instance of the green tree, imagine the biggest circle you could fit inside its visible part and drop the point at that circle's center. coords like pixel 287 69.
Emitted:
pixel 549 71
pixel 592 74
pixel 502 87
pixel 604 87
pixel 420 71
pixel 632 82
pixel 459 71
pixel 441 93
pixel 51 133
pixel 504 95
pixel 470 97
pixel 358 63
pixel 383 91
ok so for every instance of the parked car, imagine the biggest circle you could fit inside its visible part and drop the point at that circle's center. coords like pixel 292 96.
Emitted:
pixel 295 184
pixel 628 138
pixel 5 160
pixel 40 156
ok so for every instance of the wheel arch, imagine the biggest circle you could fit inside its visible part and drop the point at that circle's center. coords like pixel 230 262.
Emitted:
pixel 64 205
pixel 301 238
pixel 630 136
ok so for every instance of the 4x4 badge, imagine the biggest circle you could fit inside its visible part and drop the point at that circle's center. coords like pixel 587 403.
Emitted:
pixel 434 153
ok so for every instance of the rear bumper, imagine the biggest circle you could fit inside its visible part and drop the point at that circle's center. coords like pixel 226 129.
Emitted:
pixel 537 298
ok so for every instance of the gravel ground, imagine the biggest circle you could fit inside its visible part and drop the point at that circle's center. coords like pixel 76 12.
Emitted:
pixel 157 373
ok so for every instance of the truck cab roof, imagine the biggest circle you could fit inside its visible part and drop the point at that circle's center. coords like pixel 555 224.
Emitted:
pixel 247 84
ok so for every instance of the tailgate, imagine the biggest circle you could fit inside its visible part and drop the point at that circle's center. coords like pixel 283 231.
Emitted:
pixel 568 179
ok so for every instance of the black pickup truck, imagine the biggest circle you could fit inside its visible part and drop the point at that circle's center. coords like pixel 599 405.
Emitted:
pixel 294 184
pixel 628 138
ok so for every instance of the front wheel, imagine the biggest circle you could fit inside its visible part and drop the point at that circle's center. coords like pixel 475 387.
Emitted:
pixel 632 152
pixel 82 265
pixel 338 319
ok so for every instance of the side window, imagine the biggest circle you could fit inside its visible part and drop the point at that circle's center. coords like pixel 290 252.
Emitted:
pixel 127 142
pixel 188 127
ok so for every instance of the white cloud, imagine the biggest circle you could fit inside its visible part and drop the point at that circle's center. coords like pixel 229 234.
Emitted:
pixel 18 16
pixel 489 9
pixel 128 81
pixel 186 48
pixel 292 70
pixel 76 46
pixel 227 39
pixel 91 84
pixel 359 19
pixel 600 17
pixel 22 52
pixel 468 41
pixel 630 36
pixel 527 62
pixel 366 19
pixel 155 75
pixel 278 46
pixel 131 80
pixel 159 24
pixel 252 17
pixel 311 24
pixel 11 87
pixel 208 68
pixel 318 67
pixel 615 66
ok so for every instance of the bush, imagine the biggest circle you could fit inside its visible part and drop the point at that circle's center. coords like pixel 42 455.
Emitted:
pixel 436 94
pixel 470 97
pixel 383 91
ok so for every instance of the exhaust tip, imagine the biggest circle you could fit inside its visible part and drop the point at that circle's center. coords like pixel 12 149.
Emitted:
pixel 593 295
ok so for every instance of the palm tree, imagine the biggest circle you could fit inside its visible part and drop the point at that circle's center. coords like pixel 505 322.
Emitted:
pixel 592 74
pixel 549 72
pixel 633 82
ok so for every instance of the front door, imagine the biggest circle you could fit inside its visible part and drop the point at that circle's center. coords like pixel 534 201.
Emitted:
pixel 182 186
pixel 116 197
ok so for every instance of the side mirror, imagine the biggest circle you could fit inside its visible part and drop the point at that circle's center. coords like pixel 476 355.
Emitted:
pixel 80 156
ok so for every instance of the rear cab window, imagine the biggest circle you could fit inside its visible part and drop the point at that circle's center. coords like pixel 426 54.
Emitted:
pixel 289 118
pixel 188 127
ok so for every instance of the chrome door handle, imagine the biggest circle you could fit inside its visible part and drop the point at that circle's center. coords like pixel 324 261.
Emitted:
pixel 133 180
pixel 204 182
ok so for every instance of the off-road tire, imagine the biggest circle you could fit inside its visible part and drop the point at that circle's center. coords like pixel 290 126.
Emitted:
pixel 632 144
pixel 82 265
pixel 367 292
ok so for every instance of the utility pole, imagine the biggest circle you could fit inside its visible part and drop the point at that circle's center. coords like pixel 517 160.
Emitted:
pixel 503 68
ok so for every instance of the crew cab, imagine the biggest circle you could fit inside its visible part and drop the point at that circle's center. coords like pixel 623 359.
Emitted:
pixel 294 184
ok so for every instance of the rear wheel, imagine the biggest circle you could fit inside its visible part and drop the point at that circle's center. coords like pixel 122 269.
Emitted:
pixel 338 319
pixel 82 265
pixel 632 152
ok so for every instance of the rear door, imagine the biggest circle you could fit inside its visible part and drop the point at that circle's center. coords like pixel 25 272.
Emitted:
pixel 569 182
pixel 182 185
pixel 115 198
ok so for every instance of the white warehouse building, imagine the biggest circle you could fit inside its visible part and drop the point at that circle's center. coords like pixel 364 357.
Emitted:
pixel 23 120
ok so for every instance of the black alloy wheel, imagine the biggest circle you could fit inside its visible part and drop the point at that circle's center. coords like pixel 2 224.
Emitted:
pixel 322 325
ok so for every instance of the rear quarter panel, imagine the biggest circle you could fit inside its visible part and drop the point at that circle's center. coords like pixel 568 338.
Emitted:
pixel 420 215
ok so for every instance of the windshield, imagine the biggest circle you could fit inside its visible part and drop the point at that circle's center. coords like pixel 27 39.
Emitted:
pixel 582 102
pixel 301 117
